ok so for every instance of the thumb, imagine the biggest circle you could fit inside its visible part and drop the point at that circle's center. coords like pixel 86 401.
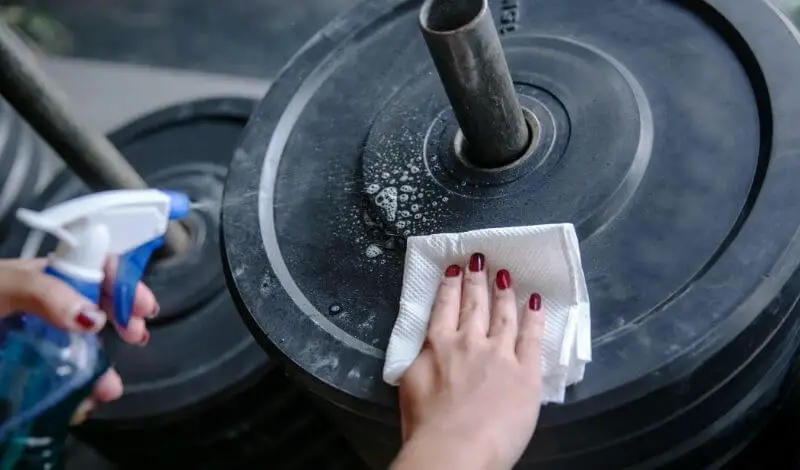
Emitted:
pixel 32 291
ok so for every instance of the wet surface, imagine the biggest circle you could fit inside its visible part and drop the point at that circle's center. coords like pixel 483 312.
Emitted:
pixel 244 37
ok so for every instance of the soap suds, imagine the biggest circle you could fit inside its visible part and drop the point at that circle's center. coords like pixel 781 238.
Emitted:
pixel 373 251
pixel 386 200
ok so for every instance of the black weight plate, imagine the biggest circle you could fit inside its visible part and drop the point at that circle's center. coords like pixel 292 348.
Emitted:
pixel 9 138
pixel 199 350
pixel 259 427
pixel 687 228
pixel 20 162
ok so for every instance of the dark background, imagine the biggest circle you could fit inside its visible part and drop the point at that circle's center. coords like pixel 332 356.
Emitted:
pixel 252 38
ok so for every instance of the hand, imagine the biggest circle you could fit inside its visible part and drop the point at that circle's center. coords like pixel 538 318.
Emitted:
pixel 471 399
pixel 25 288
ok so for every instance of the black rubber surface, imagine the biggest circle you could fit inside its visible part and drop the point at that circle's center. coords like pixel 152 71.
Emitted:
pixel 675 159
pixel 20 162
pixel 201 394
pixel 200 354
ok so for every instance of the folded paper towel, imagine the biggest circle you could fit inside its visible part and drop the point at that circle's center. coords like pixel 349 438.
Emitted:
pixel 543 258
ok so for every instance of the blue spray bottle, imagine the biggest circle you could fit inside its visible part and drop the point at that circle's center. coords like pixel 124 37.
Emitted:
pixel 46 373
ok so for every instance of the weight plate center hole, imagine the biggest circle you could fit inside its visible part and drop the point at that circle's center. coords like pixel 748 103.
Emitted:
pixel 461 147
pixel 446 16
pixel 196 229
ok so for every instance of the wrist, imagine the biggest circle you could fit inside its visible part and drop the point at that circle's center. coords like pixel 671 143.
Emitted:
pixel 447 449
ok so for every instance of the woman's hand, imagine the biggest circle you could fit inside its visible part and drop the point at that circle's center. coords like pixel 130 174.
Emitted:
pixel 471 399
pixel 25 288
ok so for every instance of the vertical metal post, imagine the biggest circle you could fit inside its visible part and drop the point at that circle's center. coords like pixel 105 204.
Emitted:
pixel 88 153
pixel 466 50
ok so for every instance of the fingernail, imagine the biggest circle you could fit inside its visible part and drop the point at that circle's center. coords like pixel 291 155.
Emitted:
pixel 476 263
pixel 535 302
pixel 145 339
pixel 453 271
pixel 503 279
pixel 156 311
pixel 88 318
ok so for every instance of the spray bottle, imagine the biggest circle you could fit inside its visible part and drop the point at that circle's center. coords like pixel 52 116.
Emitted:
pixel 46 373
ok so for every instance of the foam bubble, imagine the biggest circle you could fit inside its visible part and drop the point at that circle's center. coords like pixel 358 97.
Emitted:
pixel 373 251
pixel 386 200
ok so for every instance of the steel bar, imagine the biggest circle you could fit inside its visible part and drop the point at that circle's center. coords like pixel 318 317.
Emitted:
pixel 466 50
pixel 44 106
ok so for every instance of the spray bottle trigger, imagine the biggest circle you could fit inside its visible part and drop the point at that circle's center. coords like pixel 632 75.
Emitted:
pixel 130 270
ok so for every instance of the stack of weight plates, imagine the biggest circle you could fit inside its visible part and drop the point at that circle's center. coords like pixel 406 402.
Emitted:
pixel 670 140
pixel 20 164
pixel 201 393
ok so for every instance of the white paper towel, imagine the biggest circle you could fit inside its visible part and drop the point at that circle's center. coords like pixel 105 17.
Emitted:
pixel 543 258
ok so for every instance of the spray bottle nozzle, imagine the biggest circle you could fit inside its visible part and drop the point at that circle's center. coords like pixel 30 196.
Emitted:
pixel 179 206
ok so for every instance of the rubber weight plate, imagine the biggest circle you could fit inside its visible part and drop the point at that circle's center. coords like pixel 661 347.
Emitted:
pixel 199 351
pixel 674 158
pixel 20 163
pixel 260 427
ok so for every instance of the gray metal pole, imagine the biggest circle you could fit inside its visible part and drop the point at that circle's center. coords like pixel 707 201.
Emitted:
pixel 466 50
pixel 89 154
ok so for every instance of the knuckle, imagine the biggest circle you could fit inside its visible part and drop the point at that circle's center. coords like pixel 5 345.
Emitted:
pixel 440 303
pixel 472 340
pixel 31 288
pixel 469 306
pixel 501 320
pixel 475 280
pixel 437 336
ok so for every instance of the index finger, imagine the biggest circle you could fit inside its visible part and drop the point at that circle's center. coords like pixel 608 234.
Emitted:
pixel 145 304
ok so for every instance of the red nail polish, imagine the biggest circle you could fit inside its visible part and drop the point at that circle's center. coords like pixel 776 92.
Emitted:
pixel 453 271
pixel 476 262
pixel 535 302
pixel 503 279
pixel 84 321
pixel 145 338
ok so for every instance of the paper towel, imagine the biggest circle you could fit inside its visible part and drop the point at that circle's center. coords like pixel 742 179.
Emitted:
pixel 541 258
